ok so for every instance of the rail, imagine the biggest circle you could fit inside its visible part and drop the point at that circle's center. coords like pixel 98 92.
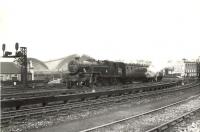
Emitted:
pixel 173 122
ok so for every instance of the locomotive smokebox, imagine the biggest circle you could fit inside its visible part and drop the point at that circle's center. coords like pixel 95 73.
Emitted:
pixel 73 66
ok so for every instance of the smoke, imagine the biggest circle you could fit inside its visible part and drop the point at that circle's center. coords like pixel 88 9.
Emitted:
pixel 155 68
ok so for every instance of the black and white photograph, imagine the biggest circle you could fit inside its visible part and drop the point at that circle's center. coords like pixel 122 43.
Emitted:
pixel 100 65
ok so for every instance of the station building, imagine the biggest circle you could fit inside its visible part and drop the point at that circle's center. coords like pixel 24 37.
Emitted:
pixel 184 68
pixel 190 68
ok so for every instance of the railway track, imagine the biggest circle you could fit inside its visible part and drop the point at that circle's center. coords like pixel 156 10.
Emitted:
pixel 20 89
pixel 45 100
pixel 30 94
pixel 61 91
pixel 171 123
pixel 39 112
pixel 162 127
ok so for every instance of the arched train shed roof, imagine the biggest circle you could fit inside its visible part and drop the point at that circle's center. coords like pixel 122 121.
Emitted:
pixel 38 65
pixel 58 64
pixel 61 64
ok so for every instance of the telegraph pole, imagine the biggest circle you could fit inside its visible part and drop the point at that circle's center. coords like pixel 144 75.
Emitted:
pixel 21 57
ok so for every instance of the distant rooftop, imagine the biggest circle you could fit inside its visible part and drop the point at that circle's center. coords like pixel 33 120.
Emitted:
pixel 9 68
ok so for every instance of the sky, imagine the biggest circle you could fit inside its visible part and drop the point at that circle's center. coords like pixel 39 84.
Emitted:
pixel 155 30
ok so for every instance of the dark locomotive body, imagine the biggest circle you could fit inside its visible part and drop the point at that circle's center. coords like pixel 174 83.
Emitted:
pixel 91 72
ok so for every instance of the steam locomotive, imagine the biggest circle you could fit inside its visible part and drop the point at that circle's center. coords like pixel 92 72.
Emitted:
pixel 102 73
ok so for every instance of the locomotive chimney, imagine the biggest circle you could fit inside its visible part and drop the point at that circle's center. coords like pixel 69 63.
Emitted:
pixel 77 58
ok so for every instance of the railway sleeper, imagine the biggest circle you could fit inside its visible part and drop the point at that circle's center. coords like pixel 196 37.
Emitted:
pixel 161 87
pixel 180 119
pixel 103 96
pixel 64 111
pixel 163 128
pixel 10 114
pixel 19 118
pixel 165 87
pixel 120 100
pixel 30 106
pixel 118 94
pixel 146 89
pixel 82 99
pixel 157 88
pixel 5 119
pixel 63 114
pixel 191 114
pixel 136 91
pixel 75 111
pixel 96 97
pixel 4 124
pixel 65 108
pixel 65 101
pixel 44 104
pixel 98 103
pixel 74 100
pixel 54 103
pixel 75 107
pixel 186 116
pixel 52 112
pixel 126 93
pixel 109 95
pixel 85 106
pixel 95 108
pixel 90 98
pixel 36 115
pixel 173 123
pixel 18 107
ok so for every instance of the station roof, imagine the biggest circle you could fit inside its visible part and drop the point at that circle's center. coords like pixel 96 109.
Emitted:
pixel 61 64
pixel 9 68
pixel 38 65
pixel 57 64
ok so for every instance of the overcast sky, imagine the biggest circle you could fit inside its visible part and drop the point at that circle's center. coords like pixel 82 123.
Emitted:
pixel 156 30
